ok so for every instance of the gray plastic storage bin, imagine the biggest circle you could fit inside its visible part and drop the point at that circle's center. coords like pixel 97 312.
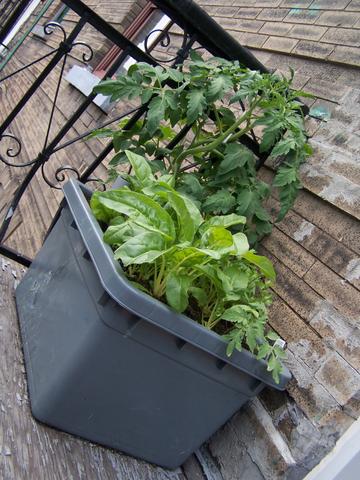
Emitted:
pixel 111 364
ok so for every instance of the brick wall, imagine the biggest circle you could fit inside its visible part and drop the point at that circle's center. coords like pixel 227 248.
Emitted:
pixel 324 29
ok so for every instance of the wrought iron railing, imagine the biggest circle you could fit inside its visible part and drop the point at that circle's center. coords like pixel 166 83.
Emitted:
pixel 198 29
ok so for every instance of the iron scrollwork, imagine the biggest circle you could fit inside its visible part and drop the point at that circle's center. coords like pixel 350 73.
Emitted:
pixel 49 28
pixel 86 56
pixel 164 40
pixel 62 174
pixel 13 152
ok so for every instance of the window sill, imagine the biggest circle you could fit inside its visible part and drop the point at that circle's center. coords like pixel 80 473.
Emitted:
pixel 85 81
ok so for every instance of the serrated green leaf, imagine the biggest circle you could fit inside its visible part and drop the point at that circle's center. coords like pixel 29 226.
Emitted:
pixel 218 86
pixel 222 201
pixel 236 155
pixel 244 199
pixel 263 350
pixel 235 314
pixel 171 100
pixel 227 116
pixel 175 75
pixel 155 114
pixel 230 348
pixel 196 104
pixel 284 146
pixel 263 263
pixel 287 195
pixel 262 214
pixel 286 174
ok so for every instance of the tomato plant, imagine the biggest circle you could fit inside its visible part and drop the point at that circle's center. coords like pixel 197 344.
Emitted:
pixel 211 164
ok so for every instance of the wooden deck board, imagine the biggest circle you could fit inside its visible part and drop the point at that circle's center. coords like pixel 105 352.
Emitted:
pixel 32 451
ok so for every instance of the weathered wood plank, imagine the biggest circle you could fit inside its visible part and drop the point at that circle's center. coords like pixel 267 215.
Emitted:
pixel 30 450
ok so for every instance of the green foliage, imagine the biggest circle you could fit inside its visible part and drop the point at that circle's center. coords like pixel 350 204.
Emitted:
pixel 196 266
pixel 223 177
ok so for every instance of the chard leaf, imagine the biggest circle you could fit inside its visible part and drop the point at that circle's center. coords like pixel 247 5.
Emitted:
pixel 210 272
pixel 118 234
pixel 237 277
pixel 200 295
pixel 218 238
pixel 225 221
pixel 144 248
pixel 138 207
pixel 241 243
pixel 141 168
pixel 102 212
pixel 188 215
pixel 177 294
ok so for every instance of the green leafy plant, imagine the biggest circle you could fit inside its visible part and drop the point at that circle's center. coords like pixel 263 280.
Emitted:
pixel 211 164
pixel 195 265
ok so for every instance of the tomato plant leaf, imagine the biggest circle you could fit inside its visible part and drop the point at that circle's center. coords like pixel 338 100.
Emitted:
pixel 263 263
pixel 196 105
